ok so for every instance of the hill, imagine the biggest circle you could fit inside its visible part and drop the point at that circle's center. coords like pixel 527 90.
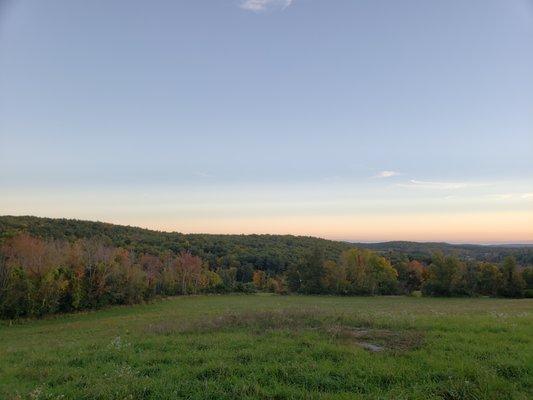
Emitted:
pixel 423 251
pixel 274 253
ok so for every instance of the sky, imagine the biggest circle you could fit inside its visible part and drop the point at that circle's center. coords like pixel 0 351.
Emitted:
pixel 360 120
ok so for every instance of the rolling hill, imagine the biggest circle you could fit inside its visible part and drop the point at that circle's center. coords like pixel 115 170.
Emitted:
pixel 273 253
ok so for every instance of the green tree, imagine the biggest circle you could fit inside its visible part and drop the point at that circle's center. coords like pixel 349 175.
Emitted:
pixel 465 279
pixel 368 273
pixel 527 276
pixel 513 284
pixel 15 301
pixel 441 273
pixel 489 279
pixel 354 263
pixel 229 277
pixel 334 280
pixel 311 272
pixel 383 278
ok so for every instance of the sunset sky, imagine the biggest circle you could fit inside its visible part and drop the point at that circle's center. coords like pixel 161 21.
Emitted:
pixel 363 120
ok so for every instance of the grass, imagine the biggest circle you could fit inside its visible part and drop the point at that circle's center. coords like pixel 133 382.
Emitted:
pixel 275 347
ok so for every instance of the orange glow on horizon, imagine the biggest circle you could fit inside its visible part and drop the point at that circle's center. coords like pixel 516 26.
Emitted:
pixel 499 227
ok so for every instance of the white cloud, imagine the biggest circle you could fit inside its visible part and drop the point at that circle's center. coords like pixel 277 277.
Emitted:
pixel 501 196
pixel 510 196
pixel 203 174
pixel 413 183
pixel 386 174
pixel 263 5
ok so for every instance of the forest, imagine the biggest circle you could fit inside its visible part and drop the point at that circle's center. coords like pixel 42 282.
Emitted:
pixel 49 266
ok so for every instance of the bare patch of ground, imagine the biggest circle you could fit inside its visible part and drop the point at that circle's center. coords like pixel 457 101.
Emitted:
pixel 352 331
pixel 377 340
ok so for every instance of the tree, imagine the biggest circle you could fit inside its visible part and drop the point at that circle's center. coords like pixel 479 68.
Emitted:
pixel 410 275
pixel 4 278
pixel 441 273
pixel 311 272
pixel 383 278
pixel 489 279
pixel 260 280
pixel 465 279
pixel 276 285
pixel 39 277
pixel 513 284
pixel 16 299
pixel 527 276
pixel 354 263
pixel 211 281
pixel 334 279
pixel 229 277
pixel 152 267
pixel 245 273
pixel 294 281
pixel 188 268
pixel 368 273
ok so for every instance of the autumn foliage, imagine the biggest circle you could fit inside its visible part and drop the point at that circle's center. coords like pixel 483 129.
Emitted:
pixel 39 277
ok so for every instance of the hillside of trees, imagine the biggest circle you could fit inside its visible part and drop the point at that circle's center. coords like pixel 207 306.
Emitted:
pixel 49 266
pixel 424 251
pixel 271 253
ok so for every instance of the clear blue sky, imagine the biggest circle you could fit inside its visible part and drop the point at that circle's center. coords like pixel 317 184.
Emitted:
pixel 354 119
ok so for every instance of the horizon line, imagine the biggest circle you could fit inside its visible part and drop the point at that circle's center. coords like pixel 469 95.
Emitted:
pixel 350 241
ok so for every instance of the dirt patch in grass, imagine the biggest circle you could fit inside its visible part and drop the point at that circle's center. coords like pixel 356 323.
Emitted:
pixel 377 340
pixel 359 332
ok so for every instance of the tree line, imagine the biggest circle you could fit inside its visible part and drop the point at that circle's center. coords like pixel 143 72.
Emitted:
pixel 274 254
pixel 362 272
pixel 39 277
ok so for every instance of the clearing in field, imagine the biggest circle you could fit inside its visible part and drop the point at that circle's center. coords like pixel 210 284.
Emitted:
pixel 275 347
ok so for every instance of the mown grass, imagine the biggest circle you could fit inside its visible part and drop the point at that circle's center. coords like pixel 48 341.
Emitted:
pixel 275 347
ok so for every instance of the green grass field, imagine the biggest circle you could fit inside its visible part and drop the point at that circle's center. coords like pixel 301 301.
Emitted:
pixel 276 347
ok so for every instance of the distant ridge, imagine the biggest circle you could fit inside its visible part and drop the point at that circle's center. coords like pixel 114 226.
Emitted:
pixel 270 251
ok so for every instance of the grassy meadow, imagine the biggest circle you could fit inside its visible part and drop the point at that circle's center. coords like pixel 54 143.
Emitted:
pixel 275 347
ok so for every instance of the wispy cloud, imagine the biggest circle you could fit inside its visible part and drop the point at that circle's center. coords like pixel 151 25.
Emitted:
pixel 511 196
pixel 498 197
pixel 501 196
pixel 203 174
pixel 387 174
pixel 413 183
pixel 263 5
